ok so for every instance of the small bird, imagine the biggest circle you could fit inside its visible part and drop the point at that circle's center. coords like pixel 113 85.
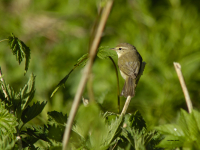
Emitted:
pixel 129 62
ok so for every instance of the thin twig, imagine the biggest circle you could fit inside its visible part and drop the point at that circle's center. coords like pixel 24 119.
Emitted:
pixel 4 40
pixel 177 67
pixel 86 72
pixel 126 105
pixel 4 91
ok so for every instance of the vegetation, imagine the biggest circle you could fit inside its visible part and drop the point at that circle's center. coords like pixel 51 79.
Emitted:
pixel 51 42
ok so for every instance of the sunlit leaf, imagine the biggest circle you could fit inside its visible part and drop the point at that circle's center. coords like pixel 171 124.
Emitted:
pixel 104 53
pixel 8 123
pixel 20 50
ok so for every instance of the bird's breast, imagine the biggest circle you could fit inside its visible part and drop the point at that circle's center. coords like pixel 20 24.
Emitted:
pixel 123 75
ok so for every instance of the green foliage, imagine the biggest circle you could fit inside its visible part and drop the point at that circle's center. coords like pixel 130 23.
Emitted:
pixel 113 131
pixel 81 61
pixel 57 118
pixel 104 53
pixel 18 102
pixel 32 111
pixel 27 92
pixel 15 112
pixel 8 123
pixel 135 134
pixel 110 131
pixel 20 50
pixel 185 134
pixel 162 31
pixel 6 143
pixel 50 133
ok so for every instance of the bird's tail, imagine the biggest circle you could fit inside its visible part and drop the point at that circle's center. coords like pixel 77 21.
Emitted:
pixel 129 88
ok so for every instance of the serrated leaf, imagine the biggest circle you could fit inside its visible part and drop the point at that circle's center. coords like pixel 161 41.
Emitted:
pixel 20 50
pixel 32 111
pixel 89 128
pixel 103 54
pixel 28 91
pixel 28 141
pixel 186 131
pixel 38 132
pixel 188 123
pixel 8 122
pixel 196 115
pixel 135 132
pixel 137 121
pixel 11 96
pixel 57 118
pixel 113 130
pixel 55 132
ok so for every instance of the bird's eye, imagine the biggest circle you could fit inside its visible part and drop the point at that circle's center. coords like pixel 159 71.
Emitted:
pixel 120 48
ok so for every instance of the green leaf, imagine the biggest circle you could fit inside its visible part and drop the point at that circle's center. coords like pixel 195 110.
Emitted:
pixel 171 129
pixel 196 115
pixel 135 132
pixel 82 61
pixel 114 129
pixel 188 123
pixel 20 50
pixel 103 54
pixel 37 132
pixel 28 141
pixel 89 129
pixel 171 141
pixel 8 122
pixel 55 132
pixel 28 91
pixel 137 121
pixel 11 97
pixel 62 82
pixel 32 111
pixel 6 143
pixel 185 133
pixel 57 118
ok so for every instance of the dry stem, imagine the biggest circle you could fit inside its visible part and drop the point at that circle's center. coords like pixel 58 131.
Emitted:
pixel 177 67
pixel 87 69
pixel 126 105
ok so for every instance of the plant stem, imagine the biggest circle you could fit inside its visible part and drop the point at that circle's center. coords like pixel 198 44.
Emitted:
pixel 177 67
pixel 4 40
pixel 128 99
pixel 86 72
pixel 118 92
pixel 4 91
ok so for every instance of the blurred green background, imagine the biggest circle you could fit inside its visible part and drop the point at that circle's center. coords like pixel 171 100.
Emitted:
pixel 59 32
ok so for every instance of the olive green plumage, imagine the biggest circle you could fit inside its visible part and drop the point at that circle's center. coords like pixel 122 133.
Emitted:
pixel 129 62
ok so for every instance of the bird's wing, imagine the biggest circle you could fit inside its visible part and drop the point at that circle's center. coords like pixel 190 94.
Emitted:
pixel 129 66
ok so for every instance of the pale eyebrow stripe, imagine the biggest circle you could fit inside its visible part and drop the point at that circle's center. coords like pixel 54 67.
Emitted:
pixel 122 47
